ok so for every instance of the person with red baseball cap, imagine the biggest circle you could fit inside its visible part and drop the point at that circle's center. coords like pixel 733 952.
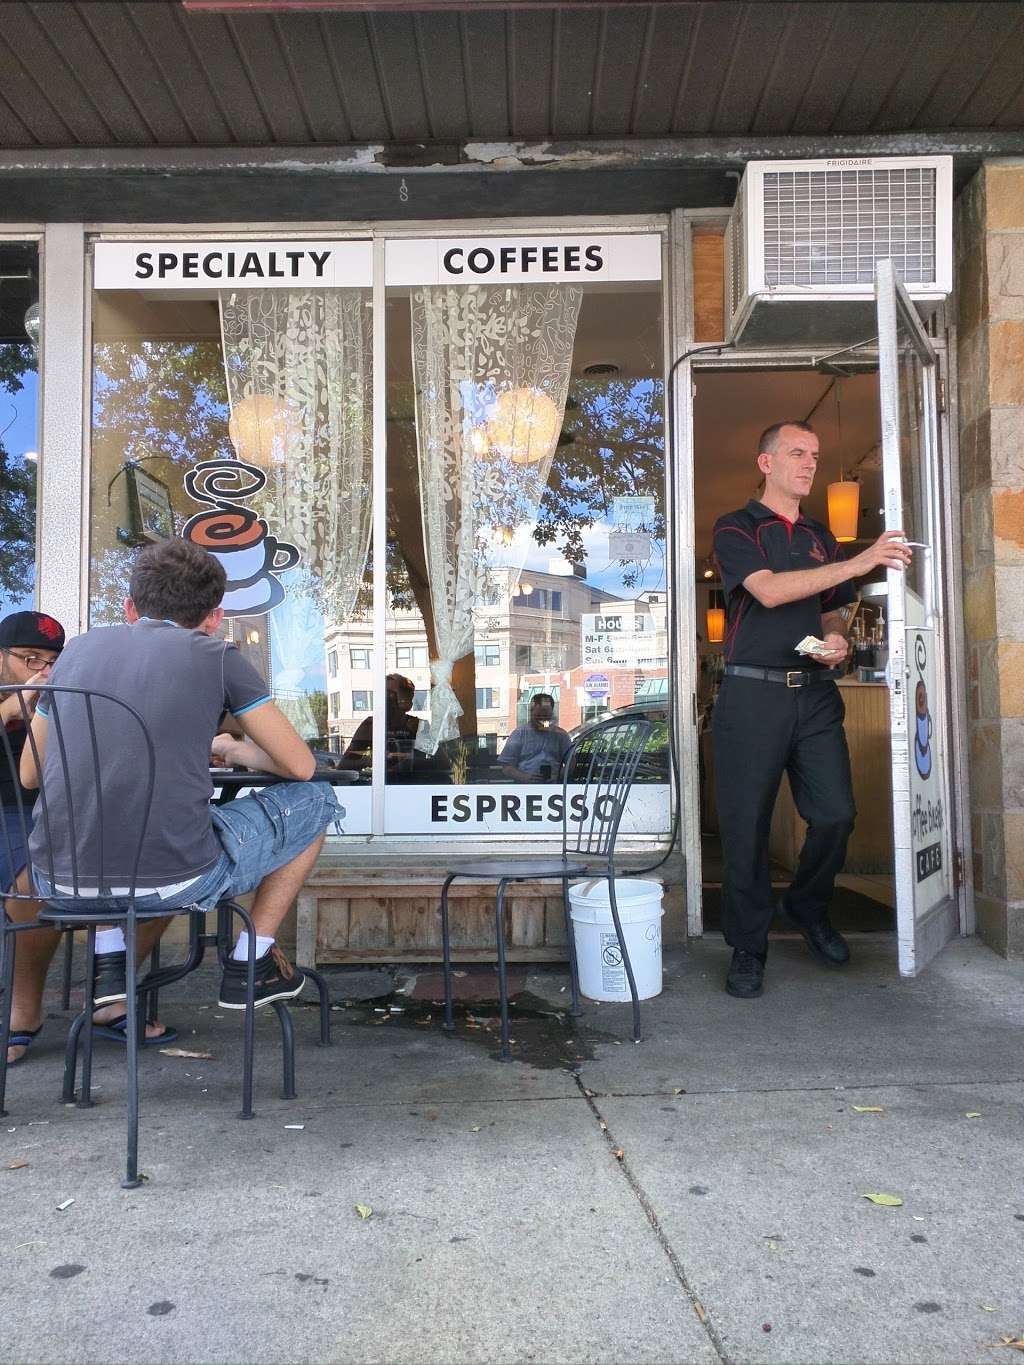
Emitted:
pixel 30 644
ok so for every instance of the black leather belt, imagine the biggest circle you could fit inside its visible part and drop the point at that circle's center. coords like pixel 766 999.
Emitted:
pixel 791 677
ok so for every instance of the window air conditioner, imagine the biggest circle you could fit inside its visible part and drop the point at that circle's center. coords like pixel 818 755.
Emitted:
pixel 804 236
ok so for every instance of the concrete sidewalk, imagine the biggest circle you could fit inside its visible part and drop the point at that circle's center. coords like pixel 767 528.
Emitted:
pixel 697 1198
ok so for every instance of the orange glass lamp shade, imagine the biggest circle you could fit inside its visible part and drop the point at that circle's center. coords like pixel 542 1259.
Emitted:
pixel 261 427
pixel 714 618
pixel 844 509
pixel 524 425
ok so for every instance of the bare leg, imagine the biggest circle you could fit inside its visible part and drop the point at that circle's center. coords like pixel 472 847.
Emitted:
pixel 36 948
pixel 278 890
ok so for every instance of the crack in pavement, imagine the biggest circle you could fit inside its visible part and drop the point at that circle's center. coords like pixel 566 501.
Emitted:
pixel 700 1312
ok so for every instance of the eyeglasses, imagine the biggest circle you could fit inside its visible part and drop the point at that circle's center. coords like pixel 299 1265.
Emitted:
pixel 33 661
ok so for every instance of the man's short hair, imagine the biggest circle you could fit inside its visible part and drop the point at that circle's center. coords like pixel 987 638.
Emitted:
pixel 175 580
pixel 543 696
pixel 769 438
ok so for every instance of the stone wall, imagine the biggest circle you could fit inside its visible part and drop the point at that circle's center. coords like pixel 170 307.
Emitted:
pixel 990 270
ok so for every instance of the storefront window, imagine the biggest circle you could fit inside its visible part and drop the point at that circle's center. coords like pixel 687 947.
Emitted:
pixel 523 556
pixel 19 292
pixel 241 419
pixel 526 533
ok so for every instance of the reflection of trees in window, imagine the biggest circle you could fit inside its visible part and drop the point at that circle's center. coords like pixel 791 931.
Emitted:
pixel 158 401
pixel 612 446
pixel 17 490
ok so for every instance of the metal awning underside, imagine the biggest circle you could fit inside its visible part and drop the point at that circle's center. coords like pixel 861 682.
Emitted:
pixel 482 90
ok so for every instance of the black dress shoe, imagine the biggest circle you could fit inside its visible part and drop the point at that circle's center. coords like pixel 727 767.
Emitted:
pixel 746 975
pixel 827 945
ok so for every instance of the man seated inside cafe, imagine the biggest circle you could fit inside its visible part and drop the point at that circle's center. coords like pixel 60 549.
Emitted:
pixel 534 752
pixel 168 663
pixel 400 729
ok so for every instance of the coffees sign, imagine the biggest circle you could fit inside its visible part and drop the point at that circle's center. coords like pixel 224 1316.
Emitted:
pixel 566 259
pixel 229 265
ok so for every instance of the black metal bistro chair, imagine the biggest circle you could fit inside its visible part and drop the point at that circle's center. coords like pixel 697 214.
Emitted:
pixel 597 775
pixel 125 798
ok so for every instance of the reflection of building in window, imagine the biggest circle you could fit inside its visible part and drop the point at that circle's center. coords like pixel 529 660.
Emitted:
pixel 359 660
pixel 362 700
pixel 523 639
pixel 332 663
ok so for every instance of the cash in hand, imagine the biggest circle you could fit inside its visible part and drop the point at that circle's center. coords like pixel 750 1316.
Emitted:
pixel 812 646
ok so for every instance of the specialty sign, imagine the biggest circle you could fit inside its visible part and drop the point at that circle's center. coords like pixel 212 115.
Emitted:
pixel 233 265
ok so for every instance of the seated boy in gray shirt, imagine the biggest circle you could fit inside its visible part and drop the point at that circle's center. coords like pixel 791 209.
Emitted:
pixel 168 663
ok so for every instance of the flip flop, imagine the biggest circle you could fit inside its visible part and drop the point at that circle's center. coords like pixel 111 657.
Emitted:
pixel 116 1031
pixel 22 1037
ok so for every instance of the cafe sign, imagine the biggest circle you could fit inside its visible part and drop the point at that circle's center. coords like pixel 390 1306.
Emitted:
pixel 569 259
pixel 284 264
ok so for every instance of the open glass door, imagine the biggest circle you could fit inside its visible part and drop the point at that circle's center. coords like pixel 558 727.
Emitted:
pixel 922 826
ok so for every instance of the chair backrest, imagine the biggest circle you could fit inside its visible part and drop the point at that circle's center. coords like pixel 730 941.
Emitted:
pixel 80 799
pixel 603 761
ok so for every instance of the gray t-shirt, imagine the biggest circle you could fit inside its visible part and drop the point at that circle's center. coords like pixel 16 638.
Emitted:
pixel 181 682
pixel 529 749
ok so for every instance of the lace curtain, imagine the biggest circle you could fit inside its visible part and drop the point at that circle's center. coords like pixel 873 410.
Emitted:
pixel 491 367
pixel 299 370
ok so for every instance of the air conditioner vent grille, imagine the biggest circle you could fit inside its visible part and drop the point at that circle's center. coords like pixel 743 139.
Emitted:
pixel 826 227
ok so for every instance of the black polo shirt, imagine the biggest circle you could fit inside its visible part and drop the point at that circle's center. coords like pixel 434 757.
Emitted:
pixel 756 538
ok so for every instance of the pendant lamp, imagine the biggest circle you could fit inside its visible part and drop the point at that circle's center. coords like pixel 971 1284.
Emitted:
pixel 844 509
pixel 714 617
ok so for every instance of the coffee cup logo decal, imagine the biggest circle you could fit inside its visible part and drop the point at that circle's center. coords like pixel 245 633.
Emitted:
pixel 236 535
pixel 922 714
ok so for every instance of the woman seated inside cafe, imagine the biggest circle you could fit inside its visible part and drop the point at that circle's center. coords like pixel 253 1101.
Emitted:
pixel 400 729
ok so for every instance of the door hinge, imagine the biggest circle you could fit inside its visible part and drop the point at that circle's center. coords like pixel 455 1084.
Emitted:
pixel 958 870
pixel 693 697
pixel 941 395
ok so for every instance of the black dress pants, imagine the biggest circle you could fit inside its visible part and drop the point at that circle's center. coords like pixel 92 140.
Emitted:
pixel 762 730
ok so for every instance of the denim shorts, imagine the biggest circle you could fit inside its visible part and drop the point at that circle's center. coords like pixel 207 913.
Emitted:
pixel 257 835
pixel 13 853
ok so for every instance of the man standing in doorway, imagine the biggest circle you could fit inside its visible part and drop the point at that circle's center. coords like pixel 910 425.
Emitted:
pixel 784 578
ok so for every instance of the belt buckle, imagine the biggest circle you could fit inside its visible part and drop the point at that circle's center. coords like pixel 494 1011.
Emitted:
pixel 794 673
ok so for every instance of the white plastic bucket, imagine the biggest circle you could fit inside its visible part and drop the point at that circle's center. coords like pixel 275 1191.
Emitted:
pixel 598 951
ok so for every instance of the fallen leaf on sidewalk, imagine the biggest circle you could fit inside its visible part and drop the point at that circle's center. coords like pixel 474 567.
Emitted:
pixel 618 1154
pixel 867 1108
pixel 972 1114
pixel 700 1310
pixel 184 1052
pixel 603 1126
pixel 16 1165
pixel 475 1128
pixel 678 1090
pixel 364 1211
pixel 887 1201
pixel 987 1307
pixel 1015 1343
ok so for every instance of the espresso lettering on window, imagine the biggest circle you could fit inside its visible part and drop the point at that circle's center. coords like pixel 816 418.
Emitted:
pixel 438 809
pixel 595 259
pixel 143 265
pixel 510 808
pixel 578 808
pixel 485 805
pixel 534 808
pixel 461 808
pixel 450 258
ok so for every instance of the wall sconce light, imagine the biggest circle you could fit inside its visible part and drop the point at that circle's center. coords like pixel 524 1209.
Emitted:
pixel 844 509
pixel 714 617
